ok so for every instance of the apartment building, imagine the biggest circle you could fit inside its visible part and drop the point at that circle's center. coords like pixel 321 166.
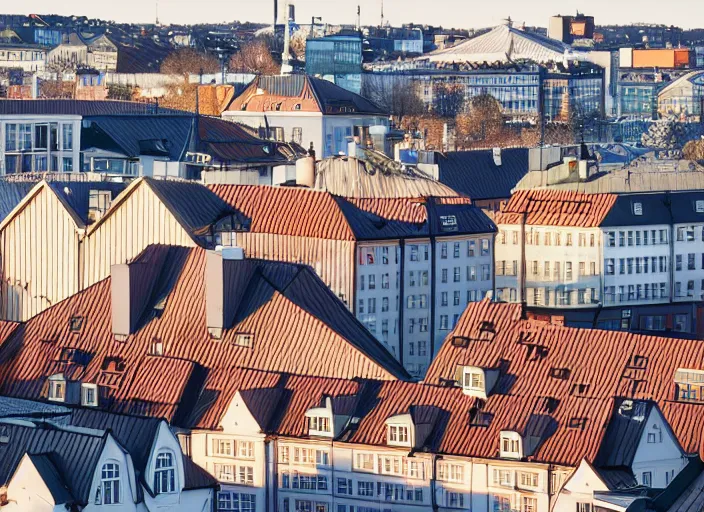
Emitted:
pixel 637 256
pixel 406 267
pixel 548 251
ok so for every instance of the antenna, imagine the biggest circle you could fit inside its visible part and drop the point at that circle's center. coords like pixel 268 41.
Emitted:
pixel 276 14
pixel 382 13
pixel 286 67
pixel 359 19
pixel 157 12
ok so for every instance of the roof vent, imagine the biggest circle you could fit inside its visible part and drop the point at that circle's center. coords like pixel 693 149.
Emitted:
pixel 496 153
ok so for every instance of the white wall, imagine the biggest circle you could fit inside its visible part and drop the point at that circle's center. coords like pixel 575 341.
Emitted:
pixel 27 492
pixel 658 453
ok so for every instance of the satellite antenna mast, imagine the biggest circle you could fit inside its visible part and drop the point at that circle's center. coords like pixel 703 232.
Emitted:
pixel 359 18
pixel 157 12
pixel 382 13
pixel 286 68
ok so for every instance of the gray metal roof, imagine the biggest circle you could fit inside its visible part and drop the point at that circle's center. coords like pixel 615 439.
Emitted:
pixel 11 194
pixel 76 194
pixel 623 433
pixel 654 209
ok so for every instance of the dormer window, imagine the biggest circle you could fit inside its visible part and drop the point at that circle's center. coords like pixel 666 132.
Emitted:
pixel 699 206
pixel 319 424
pixel 398 434
pixel 76 324
pixel 511 445
pixel 244 340
pixel 57 388
pixel 637 208
pixel 473 379
pixel 165 473
pixel 89 395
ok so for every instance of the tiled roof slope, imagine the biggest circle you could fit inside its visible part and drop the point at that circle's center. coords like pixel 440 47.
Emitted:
pixel 444 416
pixel 301 93
pixel 539 360
pixel 314 214
pixel 553 208
pixel 475 174
pixel 296 326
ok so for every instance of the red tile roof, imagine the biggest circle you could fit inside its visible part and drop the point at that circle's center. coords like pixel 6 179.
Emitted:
pixel 606 364
pixel 288 211
pixel 296 327
pixel 556 208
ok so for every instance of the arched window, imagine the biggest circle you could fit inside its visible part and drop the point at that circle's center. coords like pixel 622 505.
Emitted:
pixel 109 490
pixel 165 473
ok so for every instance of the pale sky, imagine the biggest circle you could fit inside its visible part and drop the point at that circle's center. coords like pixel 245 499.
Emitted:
pixel 448 13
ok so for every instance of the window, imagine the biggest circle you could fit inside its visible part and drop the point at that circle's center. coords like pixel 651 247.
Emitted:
pixel 89 395
pixel 344 486
pixel 319 424
pixel 444 324
pixel 245 449
pixel 529 504
pixel 485 247
pixel 165 474
pixel 244 340
pixel 584 507
pixel 398 434
pixel 67 137
pixel 109 491
pixel 448 472
pixel 443 251
pixel 456 250
pixel 510 445
pixel 527 479
pixel 365 488
pixel 57 389
pixel 610 239
pixel 222 447
pixel 473 379
pixel 647 479
pixel 297 135
pixel 503 477
pixel 456 275
pixel 637 208
pixel 364 461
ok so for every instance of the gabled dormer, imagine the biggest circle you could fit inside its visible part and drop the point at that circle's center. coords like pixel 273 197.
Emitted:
pixel 510 445
pixel 332 417
pixel 475 381
pixel 400 431
pixel 58 388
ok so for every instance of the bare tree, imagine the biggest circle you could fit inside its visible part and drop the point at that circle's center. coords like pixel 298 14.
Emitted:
pixel 188 61
pixel 448 99
pixel 254 57
pixel 483 121
pixel 397 95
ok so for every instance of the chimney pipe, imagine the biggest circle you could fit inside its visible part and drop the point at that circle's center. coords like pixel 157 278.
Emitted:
pixel 220 280
pixel 128 296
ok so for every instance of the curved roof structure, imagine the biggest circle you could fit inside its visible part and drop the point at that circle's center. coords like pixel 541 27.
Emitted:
pixel 503 44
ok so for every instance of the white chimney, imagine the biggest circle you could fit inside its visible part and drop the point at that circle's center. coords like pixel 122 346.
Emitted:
pixel 496 153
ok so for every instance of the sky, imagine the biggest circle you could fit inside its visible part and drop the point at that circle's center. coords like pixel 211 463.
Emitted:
pixel 448 13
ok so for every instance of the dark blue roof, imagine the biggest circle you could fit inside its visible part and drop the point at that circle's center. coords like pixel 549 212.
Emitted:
pixel 131 134
pixel 76 194
pixel 475 174
pixel 11 194
pixel 469 219
pixel 653 207
pixel 684 207
pixel 74 455
pixel 77 107
pixel 194 205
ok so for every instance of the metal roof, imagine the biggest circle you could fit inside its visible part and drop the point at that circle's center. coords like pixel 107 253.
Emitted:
pixel 52 107
pixel 475 174
pixel 503 44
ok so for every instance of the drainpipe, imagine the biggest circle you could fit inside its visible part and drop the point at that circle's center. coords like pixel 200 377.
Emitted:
pixel 433 480
pixel 522 268
pixel 271 486
pixel 671 241
pixel 433 288
pixel 401 296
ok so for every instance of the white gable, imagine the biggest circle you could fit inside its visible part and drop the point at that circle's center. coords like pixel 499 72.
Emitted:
pixel 238 419
pixel 657 442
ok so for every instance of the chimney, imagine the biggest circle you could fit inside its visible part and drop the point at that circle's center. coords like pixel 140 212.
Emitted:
pixel 305 172
pixel 496 153
pixel 131 288
pixel 220 302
